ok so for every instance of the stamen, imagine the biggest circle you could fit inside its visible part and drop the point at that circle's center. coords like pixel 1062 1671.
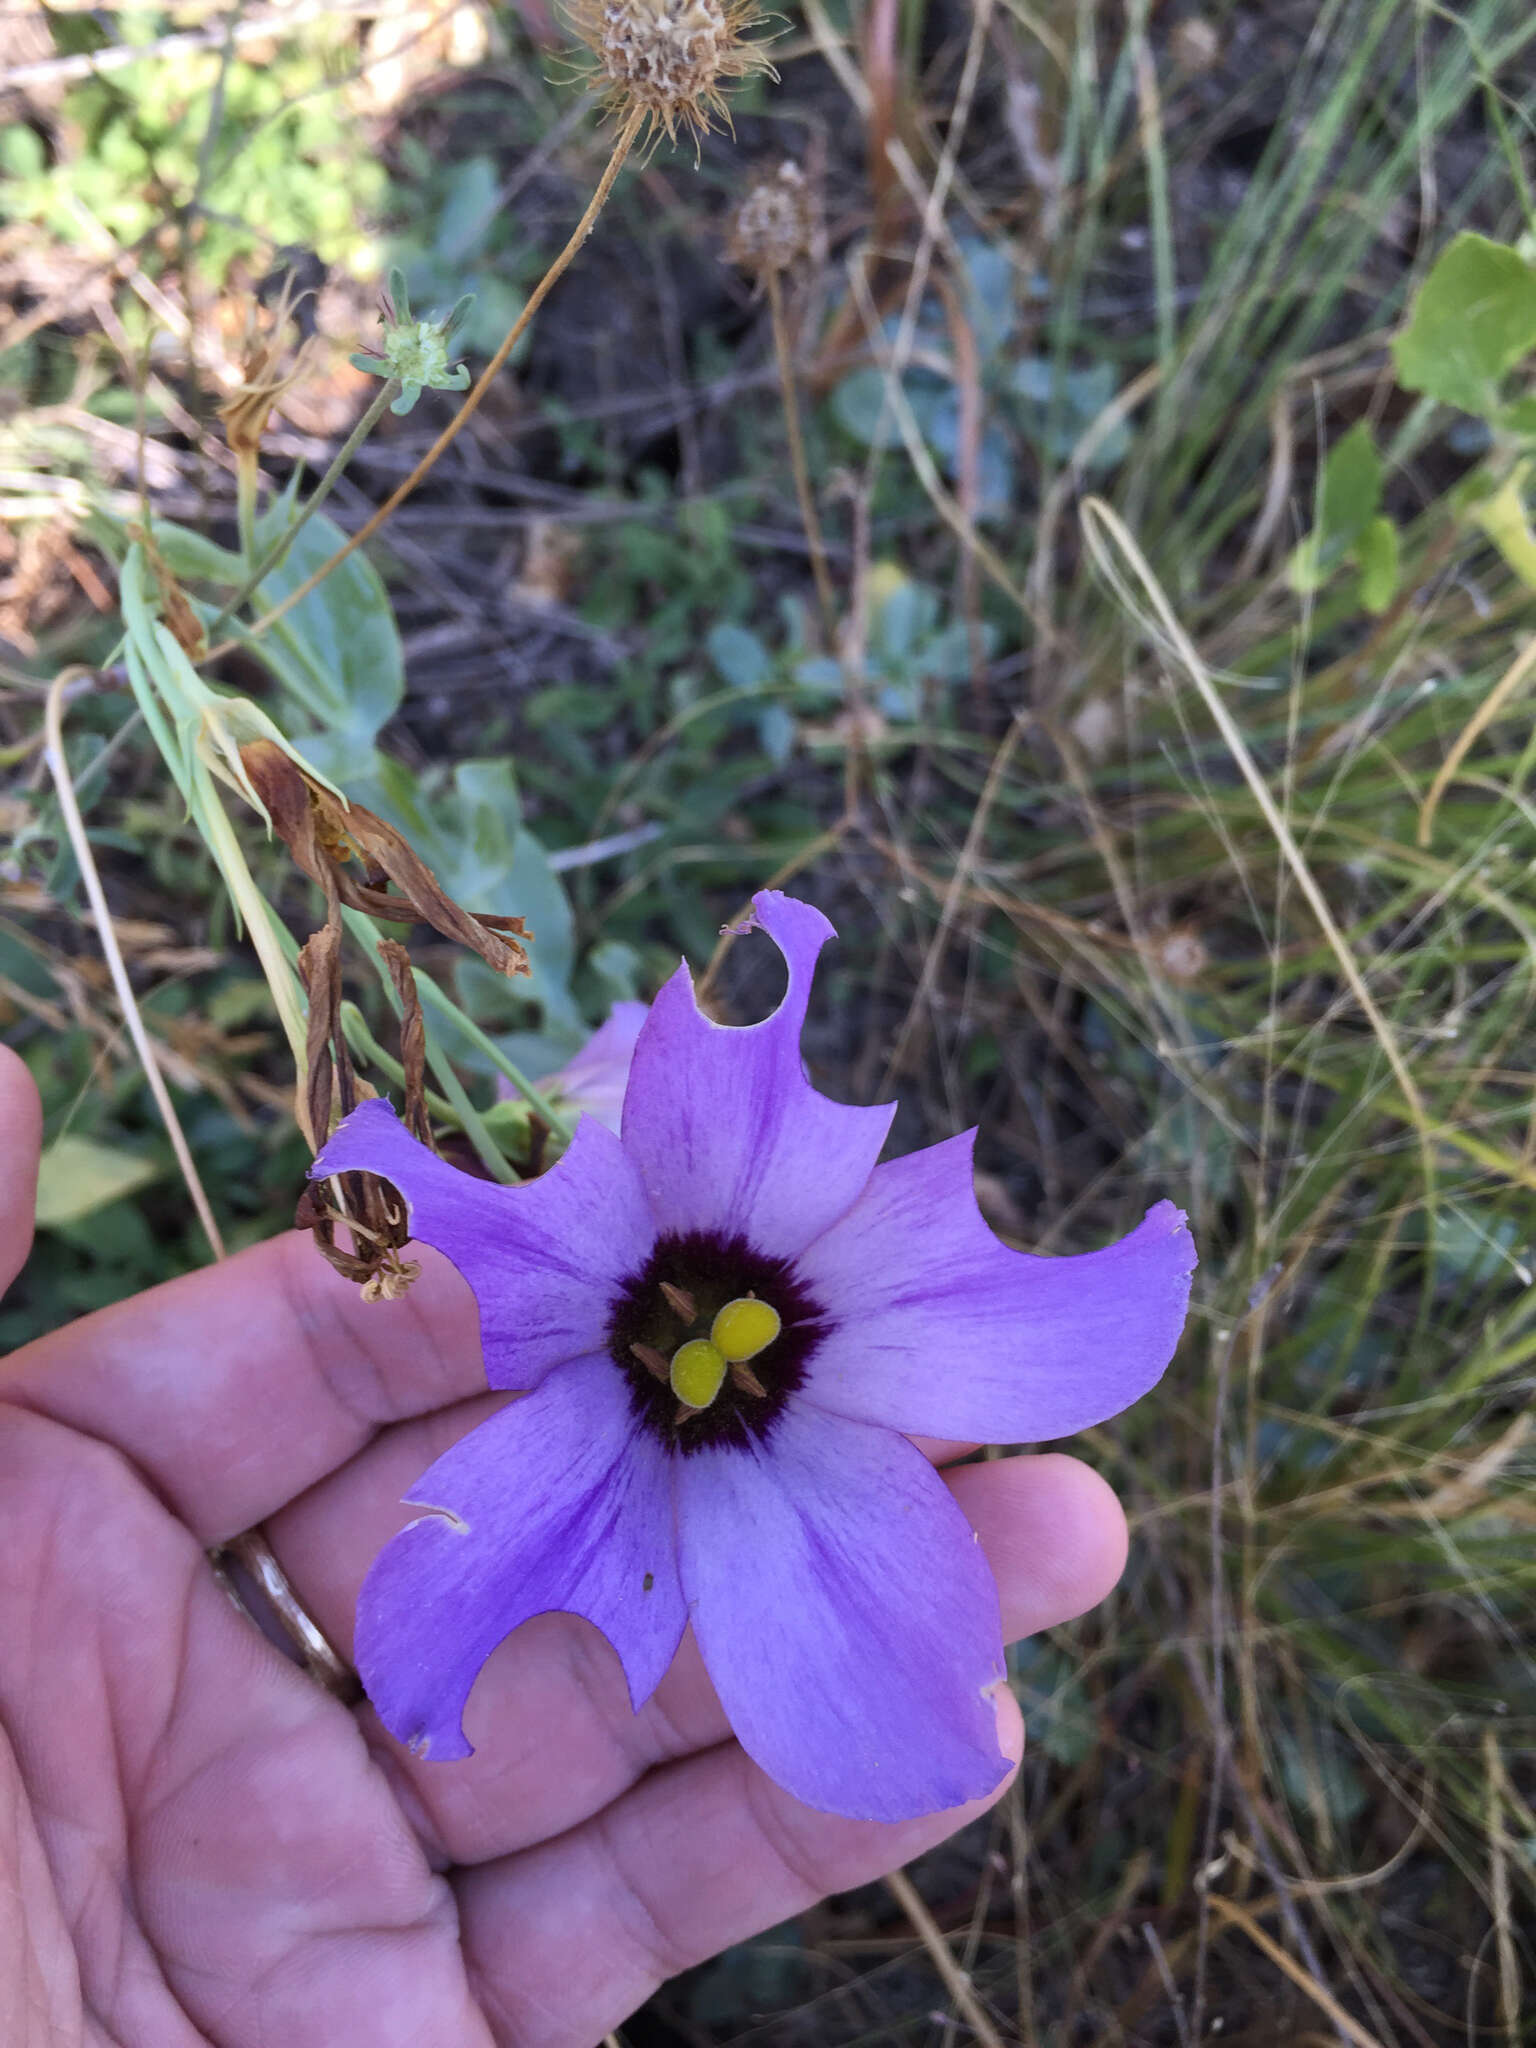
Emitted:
pixel 652 1360
pixel 746 1381
pixel 744 1328
pixel 698 1372
pixel 681 1301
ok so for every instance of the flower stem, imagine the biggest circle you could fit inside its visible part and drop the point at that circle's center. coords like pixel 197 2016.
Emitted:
pixel 246 466
pixel 435 999
pixel 273 558
pixel 808 514
pixel 482 384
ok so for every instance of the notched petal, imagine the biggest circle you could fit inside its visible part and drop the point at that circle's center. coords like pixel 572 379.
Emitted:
pixel 721 1123
pixel 558 1503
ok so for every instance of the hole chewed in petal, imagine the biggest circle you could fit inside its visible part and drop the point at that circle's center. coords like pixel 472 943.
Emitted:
pixel 559 1503
pixel 726 1132
pixel 937 1328
pixel 545 1260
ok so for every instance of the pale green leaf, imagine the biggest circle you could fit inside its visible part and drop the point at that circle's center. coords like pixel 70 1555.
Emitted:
pixel 337 653
pixel 1504 519
pixel 78 1176
pixel 1376 552
pixel 1473 320
pixel 1348 495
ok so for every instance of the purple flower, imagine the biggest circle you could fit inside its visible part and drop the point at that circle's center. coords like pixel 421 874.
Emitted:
pixel 729 1319
pixel 592 1083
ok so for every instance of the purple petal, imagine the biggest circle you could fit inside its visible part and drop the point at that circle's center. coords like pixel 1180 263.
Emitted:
pixel 561 1502
pixel 846 1616
pixel 940 1330
pixel 544 1260
pixel 727 1133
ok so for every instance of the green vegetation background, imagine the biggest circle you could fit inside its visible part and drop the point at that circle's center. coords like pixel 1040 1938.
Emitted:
pixel 1073 784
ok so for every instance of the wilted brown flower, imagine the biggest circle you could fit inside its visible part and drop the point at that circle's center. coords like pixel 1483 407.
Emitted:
pixel 246 411
pixel 360 861
pixel 355 857
pixel 669 59
pixel 775 225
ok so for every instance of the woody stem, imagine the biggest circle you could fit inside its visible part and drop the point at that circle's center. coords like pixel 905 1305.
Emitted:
pixel 482 384
pixel 808 514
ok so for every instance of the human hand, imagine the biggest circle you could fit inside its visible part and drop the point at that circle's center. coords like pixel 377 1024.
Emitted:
pixel 199 1844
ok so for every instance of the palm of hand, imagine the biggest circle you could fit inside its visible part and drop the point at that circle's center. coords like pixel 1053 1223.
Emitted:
pixel 198 1844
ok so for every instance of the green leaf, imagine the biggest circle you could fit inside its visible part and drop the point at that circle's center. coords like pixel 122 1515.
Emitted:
pixel 857 406
pixel 1474 319
pixel 741 658
pixel 1348 495
pixel 1503 518
pixel 1376 552
pixel 1519 418
pixel 189 554
pixel 337 653
pixel 77 1176
pixel 1351 487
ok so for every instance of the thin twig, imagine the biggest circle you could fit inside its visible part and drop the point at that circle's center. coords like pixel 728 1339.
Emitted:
pixel 275 555
pixel 1099 520
pixel 1303 1979
pixel 1477 724
pixel 621 148
pixel 74 825
pixel 956 1982
pixel 826 596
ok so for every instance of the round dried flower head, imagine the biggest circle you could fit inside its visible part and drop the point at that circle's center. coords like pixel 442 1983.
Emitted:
pixel 669 58
pixel 775 224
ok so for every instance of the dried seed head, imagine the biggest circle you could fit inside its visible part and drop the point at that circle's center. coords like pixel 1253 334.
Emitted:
pixel 775 225
pixel 669 58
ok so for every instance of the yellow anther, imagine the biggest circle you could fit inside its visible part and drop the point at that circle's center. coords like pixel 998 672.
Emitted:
pixel 698 1369
pixel 743 1328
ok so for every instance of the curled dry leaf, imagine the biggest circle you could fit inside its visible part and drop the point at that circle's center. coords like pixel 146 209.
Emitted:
pixel 360 861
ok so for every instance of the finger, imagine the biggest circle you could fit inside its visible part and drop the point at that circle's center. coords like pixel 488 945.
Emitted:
pixel 21 1136
pixel 240 1386
pixel 555 1740
pixel 214 1828
pixel 696 1857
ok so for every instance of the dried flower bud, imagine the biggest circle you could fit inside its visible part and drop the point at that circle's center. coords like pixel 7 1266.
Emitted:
pixel 775 224
pixel 245 412
pixel 669 58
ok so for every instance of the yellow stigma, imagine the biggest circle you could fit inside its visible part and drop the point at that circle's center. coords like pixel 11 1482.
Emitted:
pixel 698 1370
pixel 743 1328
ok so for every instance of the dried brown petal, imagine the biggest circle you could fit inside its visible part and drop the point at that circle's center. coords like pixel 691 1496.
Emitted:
pixel 329 840
pixel 247 409
pixel 185 627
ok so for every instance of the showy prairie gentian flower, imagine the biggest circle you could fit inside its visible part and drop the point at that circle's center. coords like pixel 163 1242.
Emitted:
pixel 729 1318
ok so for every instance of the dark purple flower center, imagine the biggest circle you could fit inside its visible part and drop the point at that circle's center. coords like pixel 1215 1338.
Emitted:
pixel 673 1300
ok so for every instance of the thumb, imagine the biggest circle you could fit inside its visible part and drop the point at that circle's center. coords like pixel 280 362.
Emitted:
pixel 21 1137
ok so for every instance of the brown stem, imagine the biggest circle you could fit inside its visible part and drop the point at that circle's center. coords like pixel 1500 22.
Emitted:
pixel 819 569
pixel 482 384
